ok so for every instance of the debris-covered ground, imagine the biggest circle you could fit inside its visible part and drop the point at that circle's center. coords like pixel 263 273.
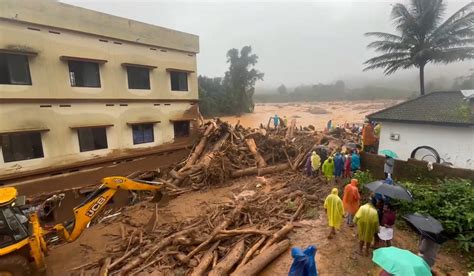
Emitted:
pixel 240 203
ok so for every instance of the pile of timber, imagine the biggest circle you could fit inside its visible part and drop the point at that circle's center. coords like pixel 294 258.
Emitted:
pixel 237 238
pixel 225 151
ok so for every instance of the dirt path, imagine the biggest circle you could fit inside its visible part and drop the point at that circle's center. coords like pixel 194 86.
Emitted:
pixel 334 257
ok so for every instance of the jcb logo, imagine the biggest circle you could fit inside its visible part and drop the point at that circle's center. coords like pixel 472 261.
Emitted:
pixel 96 207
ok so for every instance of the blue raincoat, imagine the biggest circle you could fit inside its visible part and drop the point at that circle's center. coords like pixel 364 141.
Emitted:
pixel 338 164
pixel 303 262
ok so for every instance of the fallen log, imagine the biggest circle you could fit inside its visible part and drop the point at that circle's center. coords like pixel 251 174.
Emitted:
pixel 251 251
pixel 278 235
pixel 104 270
pixel 263 259
pixel 149 252
pixel 205 261
pixel 259 171
pixel 225 265
pixel 298 211
pixel 245 231
pixel 200 146
pixel 253 149
pixel 222 226
pixel 291 130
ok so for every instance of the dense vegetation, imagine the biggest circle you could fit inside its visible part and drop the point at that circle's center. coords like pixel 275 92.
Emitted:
pixel 232 94
pixel 451 201
pixel 424 38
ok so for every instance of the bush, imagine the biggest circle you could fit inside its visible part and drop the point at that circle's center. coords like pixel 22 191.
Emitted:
pixel 451 201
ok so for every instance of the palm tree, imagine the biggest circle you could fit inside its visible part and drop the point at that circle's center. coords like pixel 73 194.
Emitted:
pixel 424 38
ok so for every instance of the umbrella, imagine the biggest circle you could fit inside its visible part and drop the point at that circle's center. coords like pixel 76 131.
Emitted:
pixel 389 153
pixel 427 226
pixel 400 262
pixel 393 191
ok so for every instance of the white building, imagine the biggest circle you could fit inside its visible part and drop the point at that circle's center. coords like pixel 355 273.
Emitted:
pixel 442 121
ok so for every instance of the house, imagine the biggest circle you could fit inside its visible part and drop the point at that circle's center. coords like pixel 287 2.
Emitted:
pixel 79 86
pixel 440 122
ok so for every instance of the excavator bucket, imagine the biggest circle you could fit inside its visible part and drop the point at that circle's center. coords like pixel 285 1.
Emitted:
pixel 161 197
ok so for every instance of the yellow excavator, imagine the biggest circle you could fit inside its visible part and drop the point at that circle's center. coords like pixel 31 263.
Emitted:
pixel 22 239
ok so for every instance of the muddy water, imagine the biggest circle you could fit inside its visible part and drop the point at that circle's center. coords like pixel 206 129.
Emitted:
pixel 312 113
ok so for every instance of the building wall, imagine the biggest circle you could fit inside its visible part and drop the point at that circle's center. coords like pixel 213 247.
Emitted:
pixel 453 144
pixel 52 103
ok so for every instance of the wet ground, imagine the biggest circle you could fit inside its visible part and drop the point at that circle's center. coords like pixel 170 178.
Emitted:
pixel 334 257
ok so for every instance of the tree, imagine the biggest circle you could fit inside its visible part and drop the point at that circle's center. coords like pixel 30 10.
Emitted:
pixel 240 79
pixel 423 38
pixel 282 89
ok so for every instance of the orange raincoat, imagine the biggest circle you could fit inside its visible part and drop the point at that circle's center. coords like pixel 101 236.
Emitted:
pixel 351 199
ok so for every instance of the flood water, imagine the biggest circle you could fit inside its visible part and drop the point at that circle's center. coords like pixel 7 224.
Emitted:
pixel 312 113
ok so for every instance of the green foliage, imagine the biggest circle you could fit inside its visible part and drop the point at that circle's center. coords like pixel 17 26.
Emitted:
pixel 364 177
pixel 423 37
pixel 466 242
pixel 451 201
pixel 232 94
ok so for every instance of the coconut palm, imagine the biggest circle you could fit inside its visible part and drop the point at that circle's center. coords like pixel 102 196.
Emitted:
pixel 424 38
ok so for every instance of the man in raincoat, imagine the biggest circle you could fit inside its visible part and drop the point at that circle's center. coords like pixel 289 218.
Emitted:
pixel 334 211
pixel 351 200
pixel 315 162
pixel 367 220
pixel 355 161
pixel 328 169
pixel 338 164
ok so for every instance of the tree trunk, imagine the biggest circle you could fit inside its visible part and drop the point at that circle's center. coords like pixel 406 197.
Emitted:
pixel 226 264
pixel 422 79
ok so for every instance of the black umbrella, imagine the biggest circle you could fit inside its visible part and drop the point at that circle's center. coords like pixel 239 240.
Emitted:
pixel 427 226
pixel 393 191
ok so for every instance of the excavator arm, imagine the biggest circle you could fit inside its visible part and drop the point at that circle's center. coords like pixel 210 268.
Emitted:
pixel 96 201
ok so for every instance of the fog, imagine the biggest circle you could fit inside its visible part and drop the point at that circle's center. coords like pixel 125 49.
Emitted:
pixel 297 42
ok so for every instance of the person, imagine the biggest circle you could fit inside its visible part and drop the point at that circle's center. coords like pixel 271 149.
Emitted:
pixel 338 164
pixel 388 166
pixel 367 222
pixel 368 137
pixel 334 211
pixel 285 121
pixel 355 161
pixel 328 169
pixel 377 129
pixel 347 165
pixel 386 227
pixel 329 125
pixel 276 121
pixel 428 250
pixel 351 201
pixel 315 163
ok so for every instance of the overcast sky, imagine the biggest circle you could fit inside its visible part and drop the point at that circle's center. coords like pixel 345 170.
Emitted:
pixel 297 42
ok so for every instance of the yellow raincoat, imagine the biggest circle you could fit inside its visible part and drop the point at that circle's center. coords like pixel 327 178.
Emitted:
pixel 334 209
pixel 315 161
pixel 367 221
pixel 328 168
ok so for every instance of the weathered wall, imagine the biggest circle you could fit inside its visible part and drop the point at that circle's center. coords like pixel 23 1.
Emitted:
pixel 50 75
pixel 54 13
pixel 411 169
pixel 454 144
pixel 61 143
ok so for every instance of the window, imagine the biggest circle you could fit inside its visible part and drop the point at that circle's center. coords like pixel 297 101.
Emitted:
pixel 92 138
pixel 138 77
pixel 84 73
pixel 179 81
pixel 142 133
pixel 14 69
pixel 21 146
pixel 181 129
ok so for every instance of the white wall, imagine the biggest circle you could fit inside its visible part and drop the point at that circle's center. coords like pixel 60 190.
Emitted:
pixel 453 144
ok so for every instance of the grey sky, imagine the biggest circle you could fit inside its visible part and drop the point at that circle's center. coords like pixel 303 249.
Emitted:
pixel 297 42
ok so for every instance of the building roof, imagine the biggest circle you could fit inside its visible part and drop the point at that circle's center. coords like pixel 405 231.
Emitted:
pixel 437 108
pixel 58 15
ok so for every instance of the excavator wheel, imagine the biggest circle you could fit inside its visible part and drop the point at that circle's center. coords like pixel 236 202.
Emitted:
pixel 161 197
pixel 14 265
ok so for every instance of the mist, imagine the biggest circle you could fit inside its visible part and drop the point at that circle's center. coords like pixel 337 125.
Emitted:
pixel 297 43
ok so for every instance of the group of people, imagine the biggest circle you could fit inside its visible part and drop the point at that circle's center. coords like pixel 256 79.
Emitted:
pixel 278 121
pixel 374 220
pixel 370 136
pixel 337 165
